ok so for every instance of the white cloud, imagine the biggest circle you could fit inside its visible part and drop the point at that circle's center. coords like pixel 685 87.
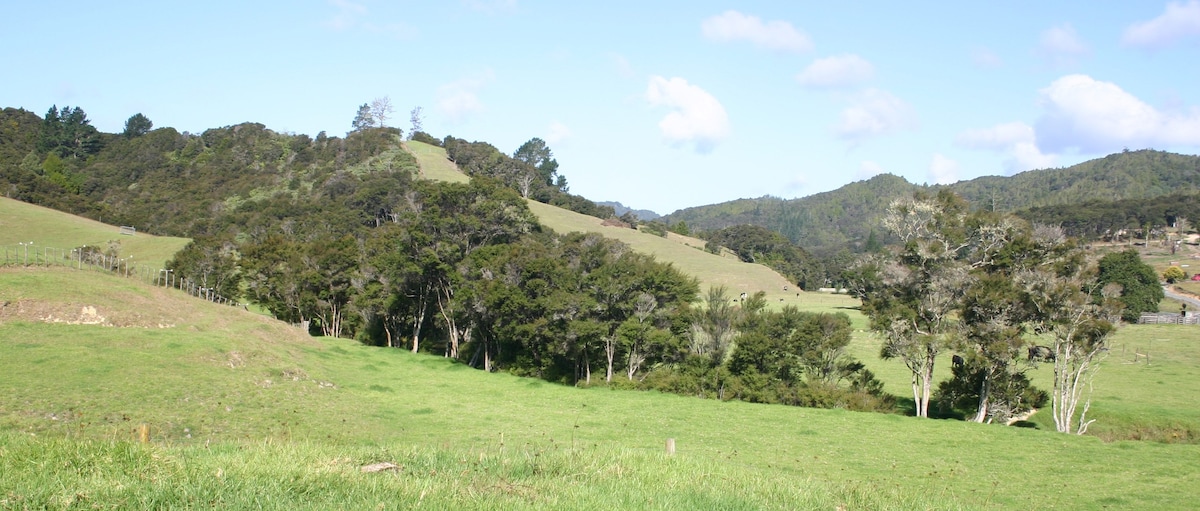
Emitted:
pixel 1098 117
pixel 868 169
pixel 943 170
pixel 1016 139
pixel 558 132
pixel 773 35
pixel 459 99
pixel 1061 46
pixel 874 112
pixel 837 71
pixel 1179 21
pixel 696 116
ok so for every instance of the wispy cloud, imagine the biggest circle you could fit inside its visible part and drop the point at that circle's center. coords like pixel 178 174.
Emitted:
pixel 986 58
pixel 868 169
pixel 836 71
pixel 872 113
pixel 696 116
pixel 347 15
pixel 354 16
pixel 1061 46
pixel 557 133
pixel 773 35
pixel 1179 21
pixel 943 170
pixel 459 100
pixel 1015 139
pixel 492 6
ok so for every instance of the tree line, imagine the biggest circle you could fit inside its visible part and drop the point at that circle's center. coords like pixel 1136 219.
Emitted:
pixel 337 235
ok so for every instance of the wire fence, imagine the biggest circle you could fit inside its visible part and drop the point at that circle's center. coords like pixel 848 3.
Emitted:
pixel 1166 318
pixel 93 259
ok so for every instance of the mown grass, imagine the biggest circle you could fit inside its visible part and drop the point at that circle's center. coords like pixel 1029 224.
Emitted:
pixel 434 163
pixel 286 420
pixel 21 222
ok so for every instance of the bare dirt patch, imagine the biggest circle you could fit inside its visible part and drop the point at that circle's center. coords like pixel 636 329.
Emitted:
pixel 40 311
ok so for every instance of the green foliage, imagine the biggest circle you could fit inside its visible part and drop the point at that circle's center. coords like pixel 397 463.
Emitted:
pixel 364 119
pixel 654 227
pixel 754 244
pixel 136 126
pixel 1140 289
pixel 1009 393
pixel 1173 274
pixel 531 171
pixel 421 136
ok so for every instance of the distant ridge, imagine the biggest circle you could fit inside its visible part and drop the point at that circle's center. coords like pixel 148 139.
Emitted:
pixel 644 215
pixel 844 219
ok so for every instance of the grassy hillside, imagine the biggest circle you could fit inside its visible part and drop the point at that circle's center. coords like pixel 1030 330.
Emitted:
pixel 22 223
pixel 247 412
pixel 687 254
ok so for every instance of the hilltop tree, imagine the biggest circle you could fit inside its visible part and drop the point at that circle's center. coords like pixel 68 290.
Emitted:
pixel 415 117
pixel 136 126
pixel 538 155
pixel 381 110
pixel 363 119
pixel 69 133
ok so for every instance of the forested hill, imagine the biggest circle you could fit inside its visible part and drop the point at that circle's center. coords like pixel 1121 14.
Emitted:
pixel 846 218
pixel 824 224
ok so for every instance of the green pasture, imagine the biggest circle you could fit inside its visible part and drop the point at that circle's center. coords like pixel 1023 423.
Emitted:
pixel 247 412
pixel 21 222
pixel 434 163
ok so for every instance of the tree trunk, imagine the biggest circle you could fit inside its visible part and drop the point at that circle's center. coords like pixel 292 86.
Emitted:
pixel 984 391
pixel 419 321
pixel 610 352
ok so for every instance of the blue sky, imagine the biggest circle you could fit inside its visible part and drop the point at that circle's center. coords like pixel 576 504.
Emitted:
pixel 659 105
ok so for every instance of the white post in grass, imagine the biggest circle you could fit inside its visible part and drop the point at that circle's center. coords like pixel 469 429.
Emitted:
pixel 26 245
pixel 670 447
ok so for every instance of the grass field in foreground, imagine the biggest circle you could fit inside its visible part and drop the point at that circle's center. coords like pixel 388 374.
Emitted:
pixel 22 222
pixel 247 412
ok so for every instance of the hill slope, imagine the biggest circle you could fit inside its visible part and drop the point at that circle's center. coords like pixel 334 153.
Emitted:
pixel 22 223
pixel 826 223
pixel 684 252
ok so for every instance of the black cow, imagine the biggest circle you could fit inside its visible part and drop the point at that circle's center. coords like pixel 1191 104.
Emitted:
pixel 958 361
pixel 1041 354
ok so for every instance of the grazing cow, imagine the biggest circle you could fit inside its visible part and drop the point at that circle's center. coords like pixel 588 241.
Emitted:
pixel 958 361
pixel 1041 354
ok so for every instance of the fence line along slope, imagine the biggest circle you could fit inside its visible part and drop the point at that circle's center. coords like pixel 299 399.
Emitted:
pixel 23 223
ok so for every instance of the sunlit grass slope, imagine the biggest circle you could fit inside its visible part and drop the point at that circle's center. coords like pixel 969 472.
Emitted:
pixel 248 412
pixel 21 222
pixel 685 253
